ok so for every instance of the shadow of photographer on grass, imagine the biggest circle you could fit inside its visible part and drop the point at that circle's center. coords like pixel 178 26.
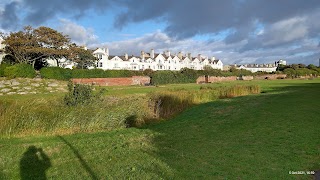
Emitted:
pixel 34 164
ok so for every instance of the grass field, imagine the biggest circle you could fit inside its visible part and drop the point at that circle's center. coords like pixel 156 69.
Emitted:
pixel 250 137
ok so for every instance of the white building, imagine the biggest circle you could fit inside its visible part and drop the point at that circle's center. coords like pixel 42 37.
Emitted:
pixel 258 67
pixel 154 61
pixel 282 62
pixel 63 62
pixel 1 50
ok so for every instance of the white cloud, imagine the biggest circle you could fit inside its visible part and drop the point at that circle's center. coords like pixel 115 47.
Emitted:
pixel 286 30
pixel 78 34
pixel 228 53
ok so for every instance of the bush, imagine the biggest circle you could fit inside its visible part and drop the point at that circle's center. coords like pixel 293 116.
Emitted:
pixel 55 73
pixel 3 66
pixel 20 70
pixel 78 94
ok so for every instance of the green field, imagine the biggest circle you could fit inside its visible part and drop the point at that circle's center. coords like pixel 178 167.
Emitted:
pixel 260 136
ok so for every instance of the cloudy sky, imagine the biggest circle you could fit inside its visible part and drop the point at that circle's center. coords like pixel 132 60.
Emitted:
pixel 235 31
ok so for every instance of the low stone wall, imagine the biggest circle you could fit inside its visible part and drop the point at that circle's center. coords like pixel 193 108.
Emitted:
pixel 134 80
pixel 23 86
pixel 271 76
pixel 212 79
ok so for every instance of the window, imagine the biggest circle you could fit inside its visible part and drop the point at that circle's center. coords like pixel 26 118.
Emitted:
pixel 142 66
pixel 115 65
pixel 100 65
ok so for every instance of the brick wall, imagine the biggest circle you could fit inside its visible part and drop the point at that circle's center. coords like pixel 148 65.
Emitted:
pixel 135 80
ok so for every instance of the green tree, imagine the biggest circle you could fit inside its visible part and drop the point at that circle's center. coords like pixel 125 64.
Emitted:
pixel 84 58
pixel 290 72
pixel 33 45
pixel 311 66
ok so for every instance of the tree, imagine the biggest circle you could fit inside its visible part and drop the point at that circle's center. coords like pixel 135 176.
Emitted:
pixel 311 66
pixel 84 58
pixel 290 72
pixel 33 45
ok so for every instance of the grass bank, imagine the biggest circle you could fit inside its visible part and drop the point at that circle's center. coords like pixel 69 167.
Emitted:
pixel 263 136
pixel 23 115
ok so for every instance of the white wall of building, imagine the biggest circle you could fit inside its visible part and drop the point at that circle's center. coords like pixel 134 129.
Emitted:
pixel 1 50
pixel 257 69
pixel 159 62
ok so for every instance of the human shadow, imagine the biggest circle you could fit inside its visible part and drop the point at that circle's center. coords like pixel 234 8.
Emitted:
pixel 34 164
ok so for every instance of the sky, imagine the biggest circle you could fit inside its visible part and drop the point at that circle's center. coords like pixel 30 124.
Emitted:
pixel 235 31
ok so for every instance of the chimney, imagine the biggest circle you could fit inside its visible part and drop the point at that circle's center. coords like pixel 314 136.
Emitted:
pixel 168 53
pixel 152 53
pixel 180 55
pixel 213 58
pixel 106 51
pixel 189 56
pixel 142 55
pixel 126 56
pixel 199 57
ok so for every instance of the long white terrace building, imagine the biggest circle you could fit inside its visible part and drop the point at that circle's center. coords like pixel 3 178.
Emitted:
pixel 154 61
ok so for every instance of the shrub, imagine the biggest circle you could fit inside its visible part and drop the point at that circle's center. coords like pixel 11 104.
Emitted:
pixel 20 70
pixel 55 73
pixel 78 94
pixel 81 94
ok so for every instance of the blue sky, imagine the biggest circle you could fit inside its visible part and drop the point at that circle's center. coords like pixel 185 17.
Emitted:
pixel 235 31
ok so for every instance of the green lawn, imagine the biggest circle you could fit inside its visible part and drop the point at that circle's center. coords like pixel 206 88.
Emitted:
pixel 253 137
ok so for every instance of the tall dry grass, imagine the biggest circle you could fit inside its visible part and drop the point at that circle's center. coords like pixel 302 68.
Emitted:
pixel 166 104
pixel 52 116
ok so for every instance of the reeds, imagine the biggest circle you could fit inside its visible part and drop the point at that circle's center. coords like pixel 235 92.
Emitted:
pixel 166 104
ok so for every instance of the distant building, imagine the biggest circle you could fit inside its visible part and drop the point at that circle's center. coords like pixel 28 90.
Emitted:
pixel 2 54
pixel 282 62
pixel 154 61
pixel 258 67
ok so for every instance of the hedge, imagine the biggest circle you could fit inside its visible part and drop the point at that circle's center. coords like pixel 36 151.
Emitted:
pixel 55 73
pixel 20 70
pixel 3 66
pixel 66 74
